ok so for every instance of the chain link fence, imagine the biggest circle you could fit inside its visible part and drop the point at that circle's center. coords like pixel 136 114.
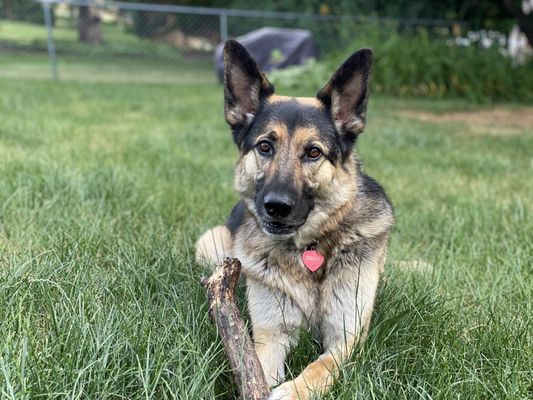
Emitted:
pixel 136 42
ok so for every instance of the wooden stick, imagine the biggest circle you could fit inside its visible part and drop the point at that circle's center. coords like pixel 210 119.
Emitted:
pixel 247 371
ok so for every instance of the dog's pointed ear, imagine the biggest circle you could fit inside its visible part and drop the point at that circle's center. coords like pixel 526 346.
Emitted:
pixel 244 85
pixel 346 96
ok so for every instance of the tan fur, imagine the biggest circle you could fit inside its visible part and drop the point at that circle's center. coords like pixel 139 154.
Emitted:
pixel 349 224
pixel 297 297
pixel 317 377
pixel 286 297
pixel 312 101
pixel 213 246
pixel 344 118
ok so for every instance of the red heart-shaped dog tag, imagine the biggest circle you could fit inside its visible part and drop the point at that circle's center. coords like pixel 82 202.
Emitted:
pixel 312 259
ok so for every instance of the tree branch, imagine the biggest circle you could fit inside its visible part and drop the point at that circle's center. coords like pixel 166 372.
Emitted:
pixel 238 345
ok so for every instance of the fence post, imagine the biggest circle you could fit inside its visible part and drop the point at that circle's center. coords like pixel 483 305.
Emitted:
pixel 223 26
pixel 50 45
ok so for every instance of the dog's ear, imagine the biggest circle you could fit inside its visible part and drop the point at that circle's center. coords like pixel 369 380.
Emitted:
pixel 346 96
pixel 244 85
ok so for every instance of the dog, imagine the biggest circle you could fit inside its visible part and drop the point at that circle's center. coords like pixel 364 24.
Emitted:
pixel 311 229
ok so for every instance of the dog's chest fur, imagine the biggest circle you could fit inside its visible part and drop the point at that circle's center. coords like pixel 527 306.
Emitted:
pixel 349 246
pixel 279 266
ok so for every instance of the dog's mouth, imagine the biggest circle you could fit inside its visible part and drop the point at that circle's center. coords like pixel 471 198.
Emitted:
pixel 279 229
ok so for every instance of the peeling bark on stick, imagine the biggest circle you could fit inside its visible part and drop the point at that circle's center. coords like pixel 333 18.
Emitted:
pixel 238 345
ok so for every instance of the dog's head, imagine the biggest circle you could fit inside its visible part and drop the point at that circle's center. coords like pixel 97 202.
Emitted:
pixel 296 166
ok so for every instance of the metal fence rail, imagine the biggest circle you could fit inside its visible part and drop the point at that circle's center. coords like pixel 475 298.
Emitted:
pixel 136 42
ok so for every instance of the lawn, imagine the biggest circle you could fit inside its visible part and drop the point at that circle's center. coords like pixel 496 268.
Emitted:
pixel 105 187
pixel 107 69
pixel 121 57
pixel 115 39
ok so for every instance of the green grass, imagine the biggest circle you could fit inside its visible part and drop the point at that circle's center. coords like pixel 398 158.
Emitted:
pixel 91 69
pixel 121 57
pixel 115 39
pixel 105 187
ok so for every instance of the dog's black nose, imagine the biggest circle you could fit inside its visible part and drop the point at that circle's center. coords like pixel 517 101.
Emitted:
pixel 278 205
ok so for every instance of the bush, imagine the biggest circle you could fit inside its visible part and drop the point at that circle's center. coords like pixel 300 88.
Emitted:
pixel 22 10
pixel 419 63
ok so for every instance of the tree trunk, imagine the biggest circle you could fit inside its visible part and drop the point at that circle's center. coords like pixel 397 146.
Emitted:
pixel 89 26
pixel 247 371
pixel 8 9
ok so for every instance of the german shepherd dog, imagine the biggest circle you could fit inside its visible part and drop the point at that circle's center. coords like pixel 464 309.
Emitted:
pixel 311 229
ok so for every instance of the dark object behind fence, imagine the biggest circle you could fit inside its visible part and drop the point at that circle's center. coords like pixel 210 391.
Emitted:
pixel 273 48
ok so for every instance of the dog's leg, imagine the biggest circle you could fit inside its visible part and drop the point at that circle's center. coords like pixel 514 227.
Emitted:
pixel 214 245
pixel 272 346
pixel 347 312
pixel 275 321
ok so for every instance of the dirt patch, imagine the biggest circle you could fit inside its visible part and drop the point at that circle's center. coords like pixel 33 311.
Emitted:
pixel 495 121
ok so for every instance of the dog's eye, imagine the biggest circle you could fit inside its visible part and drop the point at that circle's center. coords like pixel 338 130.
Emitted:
pixel 264 148
pixel 314 153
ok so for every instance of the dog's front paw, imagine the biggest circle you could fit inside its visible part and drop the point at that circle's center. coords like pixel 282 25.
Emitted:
pixel 287 391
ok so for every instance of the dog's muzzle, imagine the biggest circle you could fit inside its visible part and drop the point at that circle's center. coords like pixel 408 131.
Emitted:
pixel 281 214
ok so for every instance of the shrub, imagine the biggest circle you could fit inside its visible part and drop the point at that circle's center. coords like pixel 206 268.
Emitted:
pixel 419 63
pixel 22 10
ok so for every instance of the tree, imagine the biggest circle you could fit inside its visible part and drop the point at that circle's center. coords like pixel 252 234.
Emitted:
pixel 22 10
pixel 89 25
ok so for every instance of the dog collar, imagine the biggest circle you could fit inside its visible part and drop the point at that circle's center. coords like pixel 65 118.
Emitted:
pixel 312 258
